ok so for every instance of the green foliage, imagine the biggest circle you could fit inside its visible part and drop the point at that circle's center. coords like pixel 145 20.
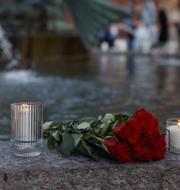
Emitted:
pixel 68 144
pixel 83 136
pixel 51 142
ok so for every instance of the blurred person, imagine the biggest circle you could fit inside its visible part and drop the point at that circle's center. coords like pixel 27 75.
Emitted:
pixel 129 22
pixel 149 13
pixel 175 21
pixel 163 27
pixel 142 37
pixel 106 40
pixel 168 19
pixel 123 31
pixel 178 32
pixel 146 32
pixel 149 18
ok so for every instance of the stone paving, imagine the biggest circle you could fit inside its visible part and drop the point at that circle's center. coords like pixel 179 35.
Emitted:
pixel 52 171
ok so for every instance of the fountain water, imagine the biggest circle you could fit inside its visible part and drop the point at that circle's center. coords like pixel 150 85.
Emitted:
pixel 7 52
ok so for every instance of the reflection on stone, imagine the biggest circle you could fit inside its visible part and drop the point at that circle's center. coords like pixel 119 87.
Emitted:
pixel 107 83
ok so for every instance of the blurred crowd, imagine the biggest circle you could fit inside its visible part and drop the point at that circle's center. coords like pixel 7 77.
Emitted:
pixel 153 27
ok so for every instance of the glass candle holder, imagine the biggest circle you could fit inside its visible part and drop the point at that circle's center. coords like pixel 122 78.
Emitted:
pixel 26 128
pixel 173 135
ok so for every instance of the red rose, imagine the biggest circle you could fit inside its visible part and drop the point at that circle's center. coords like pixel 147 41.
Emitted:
pixel 147 122
pixel 118 151
pixel 129 131
pixel 150 148
pixel 158 146
pixel 138 139
pixel 118 130
pixel 110 144
pixel 156 141
pixel 158 154
pixel 122 153
pixel 142 152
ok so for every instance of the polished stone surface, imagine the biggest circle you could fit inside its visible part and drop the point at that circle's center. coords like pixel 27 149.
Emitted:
pixel 51 171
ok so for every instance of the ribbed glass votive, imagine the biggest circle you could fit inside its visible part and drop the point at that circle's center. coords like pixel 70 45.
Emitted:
pixel 26 128
pixel 173 135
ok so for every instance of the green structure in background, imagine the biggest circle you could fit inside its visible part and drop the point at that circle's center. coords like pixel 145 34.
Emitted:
pixel 93 15
pixel 90 16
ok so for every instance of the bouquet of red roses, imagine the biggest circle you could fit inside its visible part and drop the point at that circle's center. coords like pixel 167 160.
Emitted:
pixel 119 137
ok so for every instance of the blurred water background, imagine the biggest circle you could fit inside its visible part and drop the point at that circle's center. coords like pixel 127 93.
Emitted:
pixel 81 59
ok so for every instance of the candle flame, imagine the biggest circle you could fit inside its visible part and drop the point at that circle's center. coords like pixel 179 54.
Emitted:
pixel 25 107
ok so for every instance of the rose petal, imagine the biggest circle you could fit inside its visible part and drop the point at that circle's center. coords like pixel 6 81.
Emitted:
pixel 129 131
pixel 120 152
pixel 148 123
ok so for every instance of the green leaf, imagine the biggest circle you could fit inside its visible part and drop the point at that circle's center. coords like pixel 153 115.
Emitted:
pixel 47 125
pixel 51 142
pixel 83 125
pixel 121 117
pixel 100 117
pixel 56 136
pixel 60 126
pixel 77 138
pixel 100 149
pixel 104 147
pixel 89 151
pixel 103 125
pixel 81 150
pixel 67 145
pixel 108 118
pixel 104 129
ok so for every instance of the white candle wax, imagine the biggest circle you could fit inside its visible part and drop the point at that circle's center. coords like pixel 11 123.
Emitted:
pixel 25 123
pixel 174 136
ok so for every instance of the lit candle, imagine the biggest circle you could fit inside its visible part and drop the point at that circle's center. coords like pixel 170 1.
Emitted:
pixel 173 135
pixel 26 128
pixel 25 122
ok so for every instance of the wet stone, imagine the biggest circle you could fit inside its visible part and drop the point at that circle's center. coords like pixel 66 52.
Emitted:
pixel 52 171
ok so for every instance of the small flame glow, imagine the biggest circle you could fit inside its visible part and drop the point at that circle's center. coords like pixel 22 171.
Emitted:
pixel 25 107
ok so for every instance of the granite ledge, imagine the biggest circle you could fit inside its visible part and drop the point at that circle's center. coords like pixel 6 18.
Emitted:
pixel 52 171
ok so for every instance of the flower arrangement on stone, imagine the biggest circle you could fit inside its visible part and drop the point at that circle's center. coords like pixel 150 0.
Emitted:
pixel 118 137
